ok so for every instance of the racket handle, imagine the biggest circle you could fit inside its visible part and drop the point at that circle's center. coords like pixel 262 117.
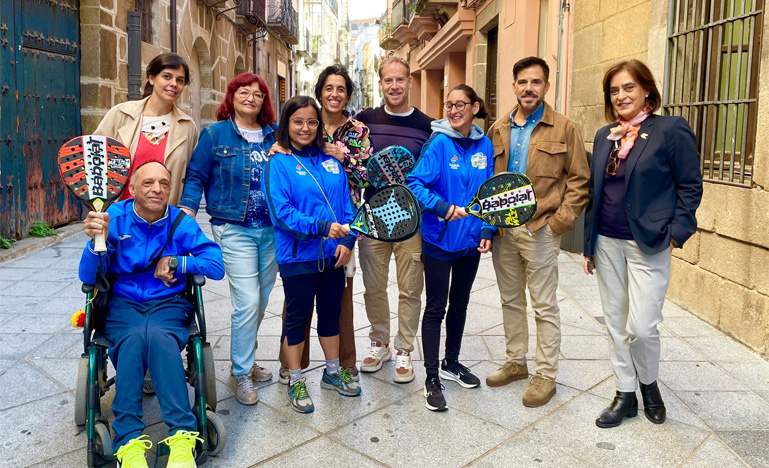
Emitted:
pixel 349 269
pixel 99 243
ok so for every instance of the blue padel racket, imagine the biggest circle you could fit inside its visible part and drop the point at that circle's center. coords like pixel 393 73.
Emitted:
pixel 505 200
pixel 389 166
pixel 391 215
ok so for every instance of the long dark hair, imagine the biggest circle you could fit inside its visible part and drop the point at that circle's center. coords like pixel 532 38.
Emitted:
pixel 160 63
pixel 291 106
pixel 334 70
pixel 266 114
pixel 642 75
pixel 473 96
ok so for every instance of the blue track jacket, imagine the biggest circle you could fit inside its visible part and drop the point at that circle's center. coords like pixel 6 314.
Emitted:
pixel 132 243
pixel 449 172
pixel 300 213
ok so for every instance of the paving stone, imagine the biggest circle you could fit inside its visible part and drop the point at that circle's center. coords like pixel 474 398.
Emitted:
pixel 36 289
pixel 677 349
pixel 751 446
pixel 17 346
pixel 75 459
pixel 670 309
pixel 66 344
pixel 580 316
pixel 62 371
pixel 713 453
pixel 40 260
pixel 584 347
pixel 754 374
pixel 636 443
pixel 321 452
pixel 723 348
pixel 690 326
pixel 32 323
pixel 39 431
pixel 8 275
pixel 384 434
pixel 22 383
pixel 57 306
pixel 496 345
pixel 580 374
pixel 523 452
pixel 725 411
pixel 697 376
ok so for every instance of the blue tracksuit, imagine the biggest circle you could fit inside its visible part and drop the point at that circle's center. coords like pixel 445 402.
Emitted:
pixel 450 171
pixel 147 321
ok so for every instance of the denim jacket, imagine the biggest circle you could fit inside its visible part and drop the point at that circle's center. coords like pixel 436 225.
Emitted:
pixel 221 166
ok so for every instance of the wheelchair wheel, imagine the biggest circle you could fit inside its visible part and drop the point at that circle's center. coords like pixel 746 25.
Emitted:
pixel 210 374
pixel 81 391
pixel 102 439
pixel 217 435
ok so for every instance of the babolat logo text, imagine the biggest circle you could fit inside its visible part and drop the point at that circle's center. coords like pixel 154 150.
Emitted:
pixel 523 196
pixel 94 151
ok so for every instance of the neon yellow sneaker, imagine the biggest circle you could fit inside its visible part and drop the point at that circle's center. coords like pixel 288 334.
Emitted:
pixel 182 445
pixel 131 454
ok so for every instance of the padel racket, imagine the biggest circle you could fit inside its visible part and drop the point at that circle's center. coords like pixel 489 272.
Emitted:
pixel 389 166
pixel 391 214
pixel 96 169
pixel 505 200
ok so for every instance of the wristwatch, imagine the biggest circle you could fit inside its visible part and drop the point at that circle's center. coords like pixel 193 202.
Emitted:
pixel 173 262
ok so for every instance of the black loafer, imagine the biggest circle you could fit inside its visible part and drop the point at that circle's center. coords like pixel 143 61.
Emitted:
pixel 654 407
pixel 624 404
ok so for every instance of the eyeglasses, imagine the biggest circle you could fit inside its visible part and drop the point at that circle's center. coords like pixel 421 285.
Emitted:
pixel 312 124
pixel 244 94
pixel 460 105
pixel 614 161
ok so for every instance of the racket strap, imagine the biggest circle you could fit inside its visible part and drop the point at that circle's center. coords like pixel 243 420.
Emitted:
pixel 177 221
pixel 321 256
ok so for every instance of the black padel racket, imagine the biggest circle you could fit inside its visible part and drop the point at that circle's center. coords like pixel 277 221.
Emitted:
pixel 505 200
pixel 96 169
pixel 391 214
pixel 389 166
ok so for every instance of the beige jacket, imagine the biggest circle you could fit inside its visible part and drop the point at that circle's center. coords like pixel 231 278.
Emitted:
pixel 123 123
pixel 557 166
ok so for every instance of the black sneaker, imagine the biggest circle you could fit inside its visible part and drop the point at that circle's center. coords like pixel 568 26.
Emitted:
pixel 459 374
pixel 434 394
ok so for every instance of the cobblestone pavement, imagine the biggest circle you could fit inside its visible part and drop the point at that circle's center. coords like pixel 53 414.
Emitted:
pixel 715 389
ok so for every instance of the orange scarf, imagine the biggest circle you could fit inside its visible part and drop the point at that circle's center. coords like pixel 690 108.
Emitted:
pixel 627 131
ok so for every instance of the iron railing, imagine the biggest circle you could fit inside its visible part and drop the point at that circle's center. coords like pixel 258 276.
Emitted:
pixel 253 10
pixel 282 14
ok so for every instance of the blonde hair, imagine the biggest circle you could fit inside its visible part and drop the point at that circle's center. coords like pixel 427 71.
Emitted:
pixel 394 59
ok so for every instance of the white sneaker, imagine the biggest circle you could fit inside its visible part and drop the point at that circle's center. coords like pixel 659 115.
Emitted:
pixel 404 369
pixel 377 355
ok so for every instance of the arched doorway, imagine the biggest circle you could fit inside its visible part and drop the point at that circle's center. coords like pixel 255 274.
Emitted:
pixel 240 66
pixel 201 80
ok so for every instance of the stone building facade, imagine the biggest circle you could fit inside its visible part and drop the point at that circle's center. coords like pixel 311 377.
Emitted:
pixel 722 273
pixel 216 41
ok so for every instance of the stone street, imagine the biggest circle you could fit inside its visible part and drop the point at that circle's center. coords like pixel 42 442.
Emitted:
pixel 715 389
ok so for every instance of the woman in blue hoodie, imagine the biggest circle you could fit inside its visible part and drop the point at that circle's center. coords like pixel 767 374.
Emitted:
pixel 309 203
pixel 455 161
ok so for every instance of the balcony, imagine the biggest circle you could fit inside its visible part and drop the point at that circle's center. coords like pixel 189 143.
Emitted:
pixel 334 6
pixel 250 14
pixel 283 20
pixel 304 50
pixel 401 12
pixel 386 39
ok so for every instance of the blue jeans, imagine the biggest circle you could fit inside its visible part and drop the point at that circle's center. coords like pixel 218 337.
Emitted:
pixel 249 259
pixel 148 335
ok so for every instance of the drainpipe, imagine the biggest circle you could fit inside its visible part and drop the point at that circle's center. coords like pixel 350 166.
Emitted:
pixel 565 8
pixel 173 25
pixel 253 53
pixel 134 53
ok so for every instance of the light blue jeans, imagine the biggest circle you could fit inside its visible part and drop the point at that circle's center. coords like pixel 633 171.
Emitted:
pixel 249 259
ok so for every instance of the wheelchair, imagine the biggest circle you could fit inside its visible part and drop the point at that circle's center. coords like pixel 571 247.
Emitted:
pixel 93 382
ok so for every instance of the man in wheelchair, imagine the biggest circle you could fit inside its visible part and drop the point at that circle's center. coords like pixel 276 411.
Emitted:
pixel 148 317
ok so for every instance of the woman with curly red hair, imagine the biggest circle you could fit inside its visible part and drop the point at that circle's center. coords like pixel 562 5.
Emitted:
pixel 227 165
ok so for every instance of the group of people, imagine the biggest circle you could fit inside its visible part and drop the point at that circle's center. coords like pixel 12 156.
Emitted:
pixel 280 197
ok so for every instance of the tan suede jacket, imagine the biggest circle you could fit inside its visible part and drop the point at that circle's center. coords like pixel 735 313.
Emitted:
pixel 123 123
pixel 557 166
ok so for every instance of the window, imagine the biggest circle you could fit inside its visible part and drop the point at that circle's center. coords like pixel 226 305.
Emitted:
pixel 147 21
pixel 711 79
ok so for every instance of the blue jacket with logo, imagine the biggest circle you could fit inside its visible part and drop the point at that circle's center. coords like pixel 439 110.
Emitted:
pixel 449 172
pixel 132 244
pixel 299 210
pixel 221 166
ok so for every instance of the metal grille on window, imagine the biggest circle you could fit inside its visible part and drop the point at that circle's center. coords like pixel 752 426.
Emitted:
pixel 711 79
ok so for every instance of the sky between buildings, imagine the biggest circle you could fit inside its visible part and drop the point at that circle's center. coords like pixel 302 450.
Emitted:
pixel 358 9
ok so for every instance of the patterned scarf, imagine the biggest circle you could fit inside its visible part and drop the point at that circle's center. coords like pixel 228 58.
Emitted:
pixel 627 131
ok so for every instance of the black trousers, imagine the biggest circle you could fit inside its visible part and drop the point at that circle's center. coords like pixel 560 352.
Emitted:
pixel 446 281
pixel 325 289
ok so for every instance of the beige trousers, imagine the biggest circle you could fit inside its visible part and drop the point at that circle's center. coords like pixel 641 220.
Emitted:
pixel 375 265
pixel 521 259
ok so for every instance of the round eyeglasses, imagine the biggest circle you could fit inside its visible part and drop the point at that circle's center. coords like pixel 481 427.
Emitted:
pixel 460 105
pixel 311 123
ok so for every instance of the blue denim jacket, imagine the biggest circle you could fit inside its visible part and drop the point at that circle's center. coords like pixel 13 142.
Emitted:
pixel 221 166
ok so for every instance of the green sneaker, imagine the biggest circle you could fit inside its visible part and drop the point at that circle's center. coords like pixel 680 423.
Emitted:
pixel 131 454
pixel 341 382
pixel 298 397
pixel 182 447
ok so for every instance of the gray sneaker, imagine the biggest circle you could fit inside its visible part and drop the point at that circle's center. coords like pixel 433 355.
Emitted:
pixel 298 397
pixel 341 382
pixel 284 376
pixel 148 388
pixel 246 393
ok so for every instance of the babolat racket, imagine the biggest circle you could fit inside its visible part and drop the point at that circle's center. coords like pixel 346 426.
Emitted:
pixel 505 200
pixel 96 169
pixel 391 214
pixel 389 166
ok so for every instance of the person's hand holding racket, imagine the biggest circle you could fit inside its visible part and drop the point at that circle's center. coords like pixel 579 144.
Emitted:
pixel 96 223
pixel 485 246
pixel 456 212
pixel 343 255
pixel 337 231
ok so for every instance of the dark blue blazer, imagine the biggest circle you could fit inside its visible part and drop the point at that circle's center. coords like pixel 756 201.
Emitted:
pixel 663 184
